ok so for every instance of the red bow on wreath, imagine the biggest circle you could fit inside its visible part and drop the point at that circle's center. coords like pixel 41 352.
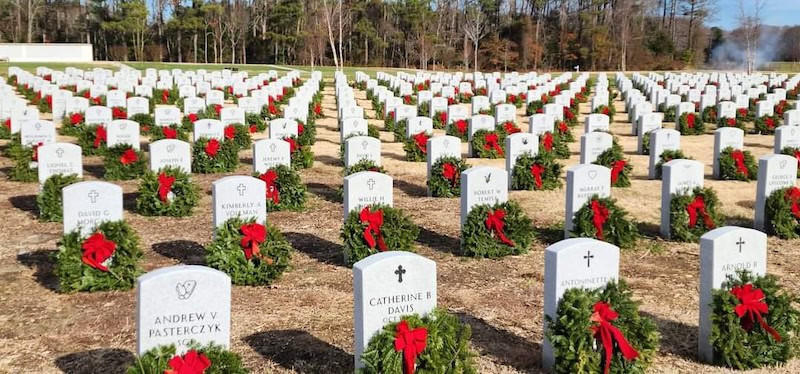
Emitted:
pixel 797 156
pixel 607 333
pixel 450 173
pixel 317 109
pixel 605 110
pixel 300 128
pixel 495 221
pixel 511 128
pixel 599 217
pixel 74 119
pixel 253 234
pixel 770 123
pixel 35 155
pixel 690 120
pixel 99 136
pixel 742 112
pixel 563 128
pixel 731 122
pixel 372 233
pixel 272 190
pixel 192 117
pixel 616 168
pixel 421 140
pixel 191 363
pixel 212 147
pixel 217 108
pixel 793 195
pixel 738 158
pixel 230 132
pixel 169 133
pixel 128 157
pixel 695 207
pixel 537 171
pixel 491 142
pixel 443 117
pixel 292 144
pixel 119 113
pixel 411 342
pixel 751 306
pixel 547 142
pixel 164 96
pixel 165 183
pixel 97 250
pixel 461 126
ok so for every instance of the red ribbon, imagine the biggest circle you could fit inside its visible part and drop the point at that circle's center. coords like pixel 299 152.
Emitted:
pixel 217 109
pixel 317 109
pixel 119 113
pixel 212 147
pixel 96 250
pixel 421 140
pixel 99 136
pixel 607 333
pixel 272 190
pixel 547 141
pixel 97 100
pixel 738 157
pixel 7 123
pixel 690 120
pixel 695 207
pixel 372 233
pixel 751 306
pixel 797 156
pixel 192 117
pixel 230 132
pixel 731 122
pixel 443 117
pixel 563 128
pixel 300 128
pixel 599 217
pixel 793 195
pixel 292 144
pixel 450 173
pixel 495 221
pixel 165 183
pixel 406 99
pixel 605 110
pixel 537 171
pixel 128 157
pixel 411 342
pixel 616 168
pixel 35 155
pixel 191 363
pixel 461 125
pixel 491 142
pixel 169 133
pixel 253 129
pixel 511 128
pixel 253 234
pixel 769 122
pixel 742 112
pixel 272 109
pixel 164 96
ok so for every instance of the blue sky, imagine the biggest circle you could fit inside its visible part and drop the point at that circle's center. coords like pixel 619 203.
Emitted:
pixel 777 13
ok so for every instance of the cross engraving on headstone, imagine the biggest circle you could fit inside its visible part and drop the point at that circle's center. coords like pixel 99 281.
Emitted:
pixel 364 145
pixel 740 243
pixel 241 188
pixel 273 147
pixel 371 184
pixel 60 152
pixel 589 256
pixel 93 196
pixel 399 272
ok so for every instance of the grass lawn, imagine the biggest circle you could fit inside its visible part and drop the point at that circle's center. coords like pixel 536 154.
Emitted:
pixel 31 66
pixel 785 67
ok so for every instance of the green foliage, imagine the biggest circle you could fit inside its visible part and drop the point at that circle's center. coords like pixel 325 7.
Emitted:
pixel 185 194
pixel 302 158
pixel 257 120
pixel 308 136
pixel 779 219
pixel 398 231
pixel 459 129
pixel 373 131
pixel 25 168
pixel 698 128
pixel 740 349
pixel 225 161
pixel 438 185
pixel 364 165
pixel 482 149
pixel 766 125
pixel 73 275
pixel 399 130
pixel 414 153
pixel 558 146
pixel 241 136
pixel 794 152
pixel 158 133
pixel 291 190
pixel 50 201
pixel 226 254
pixel 524 179
pixel 115 169
pixel 728 169
pixel 477 240
pixel 609 158
pixel 618 229
pixel 667 156
pixel 669 112
pixel 147 124
pixel 709 115
pixel 679 216
pixel 447 348
pixel 156 360
pixel 68 128
pixel 90 142
pixel 575 347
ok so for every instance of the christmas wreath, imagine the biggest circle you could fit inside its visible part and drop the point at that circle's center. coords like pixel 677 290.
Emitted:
pixel 564 131
pixel 119 112
pixel 743 114
pixel 50 200
pixel 72 124
pixel 302 156
pixel 495 231
pixel 439 119
pixel 399 130
pixel 621 168
pixel 753 322
pixel 667 156
pixel 735 164
pixel 782 213
pixel 250 253
pixel 693 214
pixel 600 218
pixel 238 134
pixel 187 122
pixel 608 110
pixel 459 129
pixel 488 144
pixel 601 331
pixel 424 109
pixel 255 122
pixel 285 190
pixel 26 161
pixel 710 114
pixel 554 144
pixel 794 152
pixel 211 111
pixel 669 112
pixel 377 228
pixel 208 359
pixel 416 147
pixel 92 140
pixel 536 106
pixel 167 192
pixel 164 97
pixel 5 129
pixel 571 116
pixel 690 124
pixel 508 128
pixel 364 165
pixel 172 131
pixel 306 133
pixel 388 121
pixel 108 259
pixel 122 162
pixel 729 122
pixel 536 173
pixel 766 125
pixel 212 156
pixel 445 179
pixel 435 343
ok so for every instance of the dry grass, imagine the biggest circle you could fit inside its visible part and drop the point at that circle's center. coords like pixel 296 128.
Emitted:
pixel 304 322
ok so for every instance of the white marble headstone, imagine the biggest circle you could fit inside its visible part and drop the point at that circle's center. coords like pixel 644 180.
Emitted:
pixel 583 182
pixel 238 196
pixel 774 172
pixel 678 177
pixel 88 204
pixel 170 153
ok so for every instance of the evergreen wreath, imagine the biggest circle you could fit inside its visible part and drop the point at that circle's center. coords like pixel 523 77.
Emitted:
pixel 735 164
pixel 694 213
pixel 571 116
pixel 439 119
pixel 285 189
pixel 494 231
pixel 794 152
pixel 669 112
pixel 488 144
pixel 536 173
pixel 766 125
pixel 208 359
pixel 172 131
pixel 741 336
pixel 302 156
pixel 608 110
pixel 564 131
pixel 646 143
pixel 213 156
pixel 459 129
pixel 690 124
pixel 710 114
pixel 554 144
pixel 255 119
pixel 730 122
pixel 667 156
pixel 45 104
pixel 445 179
pixel 373 131
pixel 621 168
pixel 507 128
pixel 164 97
pixel 167 192
pixel 575 333
pixel 443 347
pixel 416 147
pixel 364 165
pixel 600 218
pixel 238 134
pixel 147 124
pixel 536 106
pixel 26 161
pixel 187 122
pixel 122 162
pixel 389 122
pixel 108 259
pixel 119 112
pixel 250 253
pixel 424 109
pixel 92 140
pixel 50 198
pixel 744 114
pixel 377 228
pixel 5 129
pixel 782 213
pixel 211 111
pixel 306 133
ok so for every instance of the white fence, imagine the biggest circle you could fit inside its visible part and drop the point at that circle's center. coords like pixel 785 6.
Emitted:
pixel 46 52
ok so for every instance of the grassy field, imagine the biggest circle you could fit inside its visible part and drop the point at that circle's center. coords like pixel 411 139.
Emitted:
pixel 31 66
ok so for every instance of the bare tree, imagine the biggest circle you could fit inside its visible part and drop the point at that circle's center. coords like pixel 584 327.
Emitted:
pixel 751 16
pixel 475 29
pixel 328 10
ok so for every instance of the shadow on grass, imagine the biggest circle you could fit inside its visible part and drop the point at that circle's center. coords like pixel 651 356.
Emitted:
pixel 299 351
pixel 185 251
pixel 43 264
pixel 677 338
pixel 506 347
pixel 322 250
pixel 328 160
pixel 325 192
pixel 96 361
pixel 411 189
pixel 25 203
pixel 439 242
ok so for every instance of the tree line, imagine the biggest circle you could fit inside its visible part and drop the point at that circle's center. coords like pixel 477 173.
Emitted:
pixel 426 34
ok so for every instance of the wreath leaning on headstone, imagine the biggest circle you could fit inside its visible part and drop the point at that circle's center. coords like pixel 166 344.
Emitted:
pixel 147 124
pixel 729 122
pixel 709 115
pixel 252 254
pixel 50 198
pixel 667 156
pixel 445 179
pixel 416 147
pixel 92 140
pixel 495 231
pixel 564 132
pixel 255 122
pixel 601 331
pixel 208 359
pixel 239 134
pixel 306 133
pixel 302 156
pixel 621 168
pixel 167 192
pixel 108 259
pixel 285 189
pixel 123 162
pixel 71 124
pixel 555 144
pixel 600 218
pixel 213 156
pixel 364 165
pixel 735 164
pixel 753 322
pixel 459 129
pixel 690 124
pixel 172 131
pixel 536 173
pixel 435 343
pixel 766 125
pixel 782 213
pixel 488 144
pixel 377 228
pixel 794 152
pixel 694 213
pixel 26 161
